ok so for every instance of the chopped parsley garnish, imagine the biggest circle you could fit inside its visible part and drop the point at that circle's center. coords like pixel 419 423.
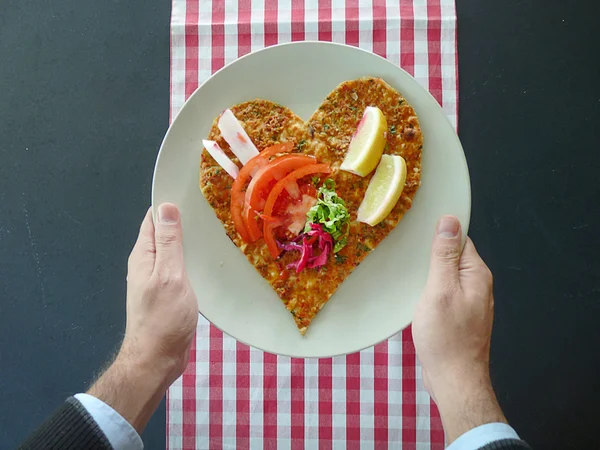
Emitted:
pixel 340 259
pixel 363 247
pixel 331 213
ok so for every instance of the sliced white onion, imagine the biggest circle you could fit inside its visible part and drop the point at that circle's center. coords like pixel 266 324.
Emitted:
pixel 237 138
pixel 221 158
pixel 293 190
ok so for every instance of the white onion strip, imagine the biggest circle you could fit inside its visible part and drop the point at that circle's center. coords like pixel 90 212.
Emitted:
pixel 237 138
pixel 221 158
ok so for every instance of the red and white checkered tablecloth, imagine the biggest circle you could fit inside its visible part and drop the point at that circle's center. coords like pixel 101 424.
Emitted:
pixel 234 396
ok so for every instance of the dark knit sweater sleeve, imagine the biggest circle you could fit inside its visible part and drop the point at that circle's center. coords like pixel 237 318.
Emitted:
pixel 507 444
pixel 70 426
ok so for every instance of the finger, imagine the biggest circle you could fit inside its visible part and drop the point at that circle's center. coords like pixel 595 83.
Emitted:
pixel 473 270
pixel 143 253
pixel 168 238
pixel 445 251
pixel 470 257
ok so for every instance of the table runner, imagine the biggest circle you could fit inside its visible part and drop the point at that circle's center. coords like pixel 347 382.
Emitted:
pixel 235 396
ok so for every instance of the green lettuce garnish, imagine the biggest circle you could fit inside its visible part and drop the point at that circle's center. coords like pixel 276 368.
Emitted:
pixel 331 213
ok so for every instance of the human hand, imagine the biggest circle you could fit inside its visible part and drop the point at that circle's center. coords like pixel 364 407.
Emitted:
pixel 452 330
pixel 162 314
pixel 162 311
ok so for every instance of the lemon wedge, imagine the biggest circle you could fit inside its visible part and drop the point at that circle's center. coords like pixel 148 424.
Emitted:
pixel 367 144
pixel 384 190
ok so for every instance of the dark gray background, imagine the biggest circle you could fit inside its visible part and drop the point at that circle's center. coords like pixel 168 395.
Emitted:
pixel 84 95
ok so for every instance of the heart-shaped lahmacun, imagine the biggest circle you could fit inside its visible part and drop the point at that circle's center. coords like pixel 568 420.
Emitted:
pixel 326 136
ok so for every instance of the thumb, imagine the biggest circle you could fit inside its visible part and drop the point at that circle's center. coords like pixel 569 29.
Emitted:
pixel 446 250
pixel 168 239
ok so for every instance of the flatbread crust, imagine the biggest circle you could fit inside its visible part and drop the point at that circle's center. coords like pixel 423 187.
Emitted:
pixel 326 135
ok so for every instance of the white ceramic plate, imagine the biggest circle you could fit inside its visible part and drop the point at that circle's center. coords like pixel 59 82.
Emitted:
pixel 377 300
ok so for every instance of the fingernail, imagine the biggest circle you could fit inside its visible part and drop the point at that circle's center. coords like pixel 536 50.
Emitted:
pixel 448 227
pixel 168 213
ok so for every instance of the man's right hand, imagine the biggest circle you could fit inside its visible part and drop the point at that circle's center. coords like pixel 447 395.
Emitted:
pixel 452 329
pixel 162 313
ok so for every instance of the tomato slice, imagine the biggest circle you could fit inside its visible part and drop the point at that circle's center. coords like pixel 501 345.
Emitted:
pixel 259 187
pixel 284 147
pixel 288 180
pixel 250 216
pixel 237 189
pixel 237 204
pixel 275 170
pixel 292 210
pixel 285 201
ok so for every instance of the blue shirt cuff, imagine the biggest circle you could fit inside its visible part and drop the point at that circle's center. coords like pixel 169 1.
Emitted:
pixel 119 432
pixel 483 435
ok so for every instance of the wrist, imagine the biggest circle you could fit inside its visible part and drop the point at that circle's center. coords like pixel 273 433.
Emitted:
pixel 150 376
pixel 133 388
pixel 147 360
pixel 466 399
